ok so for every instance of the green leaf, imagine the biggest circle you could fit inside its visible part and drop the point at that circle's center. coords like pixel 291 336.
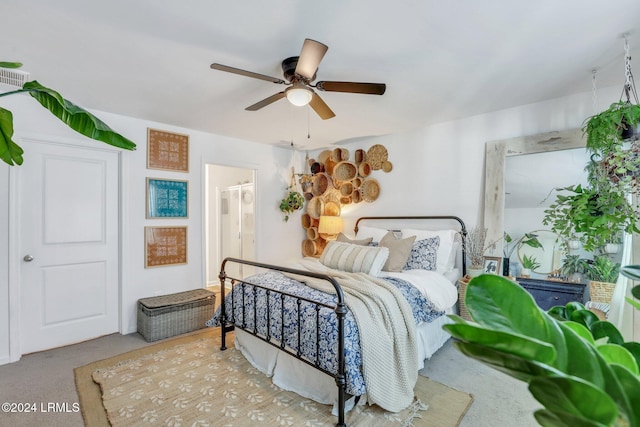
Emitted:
pixel 581 330
pixel 492 300
pixel 518 345
pixel 614 353
pixel 500 304
pixel 576 397
pixel 558 312
pixel 584 317
pixel 630 384
pixel 584 360
pixel 634 349
pixel 4 64
pixel 76 117
pixel 550 419
pixel 635 291
pixel 512 365
pixel 636 304
pixel 602 329
pixel 10 152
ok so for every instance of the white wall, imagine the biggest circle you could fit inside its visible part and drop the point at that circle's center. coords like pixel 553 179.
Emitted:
pixel 440 169
pixel 271 163
pixel 437 170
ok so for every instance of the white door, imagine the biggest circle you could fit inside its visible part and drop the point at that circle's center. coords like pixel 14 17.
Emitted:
pixel 68 239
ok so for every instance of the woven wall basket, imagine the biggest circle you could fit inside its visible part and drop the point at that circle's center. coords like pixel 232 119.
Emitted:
pixel 308 247
pixel 345 171
pixel 370 190
pixel 360 156
pixel 323 156
pixel 312 233
pixel 364 169
pixel 320 183
pixel 346 189
pixel 315 207
pixel 306 220
pixel 332 208
pixel 376 155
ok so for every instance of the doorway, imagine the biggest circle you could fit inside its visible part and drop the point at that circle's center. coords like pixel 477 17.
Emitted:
pixel 230 219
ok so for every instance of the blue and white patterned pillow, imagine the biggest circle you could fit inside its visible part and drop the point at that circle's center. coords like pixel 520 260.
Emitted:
pixel 424 255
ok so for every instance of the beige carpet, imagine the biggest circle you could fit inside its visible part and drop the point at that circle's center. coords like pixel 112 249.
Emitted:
pixel 189 381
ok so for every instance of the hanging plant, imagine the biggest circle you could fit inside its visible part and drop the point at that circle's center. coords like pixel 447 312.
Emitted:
pixel 293 201
pixel 605 130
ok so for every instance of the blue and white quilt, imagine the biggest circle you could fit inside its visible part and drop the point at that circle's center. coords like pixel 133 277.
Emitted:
pixel 285 317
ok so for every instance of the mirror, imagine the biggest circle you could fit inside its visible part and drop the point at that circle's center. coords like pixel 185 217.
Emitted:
pixel 548 256
pixel 495 160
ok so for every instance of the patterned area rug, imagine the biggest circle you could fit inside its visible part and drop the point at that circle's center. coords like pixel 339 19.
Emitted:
pixel 190 382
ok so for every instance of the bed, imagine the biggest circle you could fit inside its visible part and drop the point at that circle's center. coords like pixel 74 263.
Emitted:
pixel 311 325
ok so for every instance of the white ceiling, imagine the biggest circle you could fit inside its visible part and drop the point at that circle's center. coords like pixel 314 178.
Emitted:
pixel 441 60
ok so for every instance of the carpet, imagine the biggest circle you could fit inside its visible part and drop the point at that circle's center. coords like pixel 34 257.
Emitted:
pixel 189 381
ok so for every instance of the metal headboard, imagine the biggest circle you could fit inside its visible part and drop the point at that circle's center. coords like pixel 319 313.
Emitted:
pixel 463 229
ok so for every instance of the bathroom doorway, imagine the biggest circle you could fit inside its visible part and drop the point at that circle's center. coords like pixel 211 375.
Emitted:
pixel 230 219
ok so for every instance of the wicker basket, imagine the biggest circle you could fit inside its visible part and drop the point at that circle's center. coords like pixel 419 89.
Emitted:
pixel 601 291
pixel 165 316
pixel 462 293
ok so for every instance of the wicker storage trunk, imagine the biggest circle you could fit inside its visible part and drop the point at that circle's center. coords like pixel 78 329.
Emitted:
pixel 169 315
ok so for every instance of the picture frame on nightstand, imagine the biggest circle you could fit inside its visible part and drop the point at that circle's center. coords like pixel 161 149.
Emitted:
pixel 491 265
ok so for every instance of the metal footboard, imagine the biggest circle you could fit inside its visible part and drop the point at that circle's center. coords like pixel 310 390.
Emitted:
pixel 229 324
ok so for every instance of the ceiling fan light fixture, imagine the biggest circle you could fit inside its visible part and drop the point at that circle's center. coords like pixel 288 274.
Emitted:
pixel 299 95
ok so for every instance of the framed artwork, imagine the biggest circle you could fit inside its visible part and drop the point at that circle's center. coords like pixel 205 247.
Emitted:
pixel 167 198
pixel 167 151
pixel 165 246
pixel 491 265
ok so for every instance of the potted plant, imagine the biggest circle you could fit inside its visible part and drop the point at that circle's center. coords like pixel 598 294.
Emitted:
pixel 597 213
pixel 474 249
pixel 72 115
pixel 528 239
pixel 292 202
pixel 602 273
pixel 573 266
pixel 578 367
pixel 606 130
pixel 528 264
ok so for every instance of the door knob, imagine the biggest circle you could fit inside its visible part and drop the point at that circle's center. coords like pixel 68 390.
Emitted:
pixel 28 258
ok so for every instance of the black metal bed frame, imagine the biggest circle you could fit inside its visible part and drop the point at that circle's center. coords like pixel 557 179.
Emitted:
pixel 340 308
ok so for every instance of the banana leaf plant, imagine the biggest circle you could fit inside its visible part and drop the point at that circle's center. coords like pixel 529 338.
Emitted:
pixel 72 115
pixel 577 366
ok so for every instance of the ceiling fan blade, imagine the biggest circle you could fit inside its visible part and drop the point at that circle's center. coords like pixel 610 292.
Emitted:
pixel 352 87
pixel 321 108
pixel 310 56
pixel 258 105
pixel 246 73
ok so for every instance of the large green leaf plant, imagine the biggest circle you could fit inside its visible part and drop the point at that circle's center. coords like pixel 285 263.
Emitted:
pixel 577 366
pixel 72 115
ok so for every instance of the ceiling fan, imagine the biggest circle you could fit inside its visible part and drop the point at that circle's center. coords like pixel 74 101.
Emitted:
pixel 299 72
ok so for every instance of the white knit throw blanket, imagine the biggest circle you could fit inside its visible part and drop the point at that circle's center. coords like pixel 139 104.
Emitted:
pixel 387 333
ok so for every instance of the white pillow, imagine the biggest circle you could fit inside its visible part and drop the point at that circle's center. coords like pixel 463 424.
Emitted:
pixel 375 233
pixel 446 255
pixel 354 258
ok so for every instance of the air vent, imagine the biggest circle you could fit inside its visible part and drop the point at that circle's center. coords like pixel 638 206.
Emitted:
pixel 13 79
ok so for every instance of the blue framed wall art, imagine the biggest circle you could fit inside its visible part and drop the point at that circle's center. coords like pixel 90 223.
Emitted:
pixel 167 198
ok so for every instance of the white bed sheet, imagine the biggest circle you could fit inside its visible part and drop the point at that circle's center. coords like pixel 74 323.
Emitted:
pixel 291 374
